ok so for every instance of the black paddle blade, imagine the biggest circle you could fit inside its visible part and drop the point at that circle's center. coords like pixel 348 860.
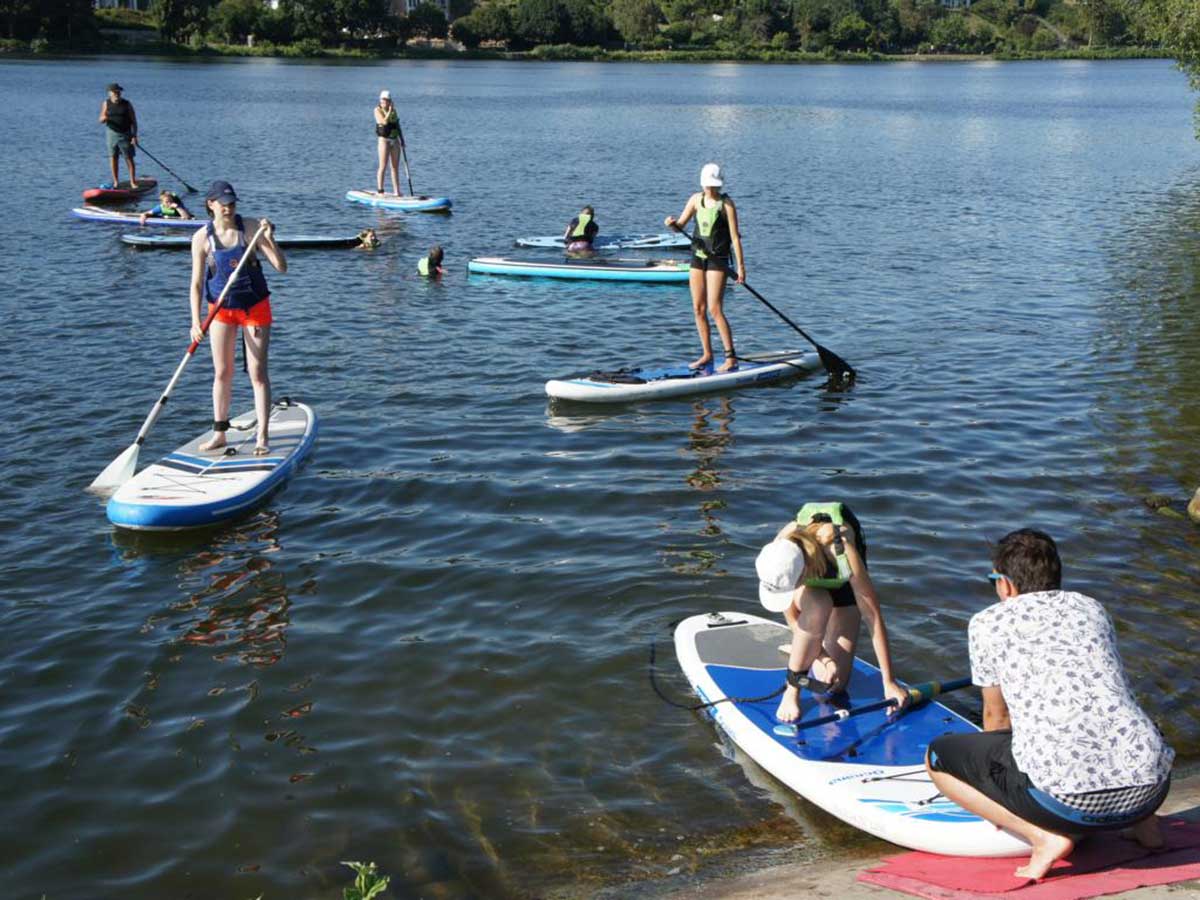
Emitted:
pixel 834 364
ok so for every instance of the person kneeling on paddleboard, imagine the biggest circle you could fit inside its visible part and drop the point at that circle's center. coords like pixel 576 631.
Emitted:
pixel 582 231
pixel 1065 750
pixel 430 266
pixel 815 573
pixel 716 236
pixel 169 207
pixel 216 251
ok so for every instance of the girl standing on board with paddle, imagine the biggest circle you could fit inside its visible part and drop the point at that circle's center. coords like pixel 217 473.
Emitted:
pixel 390 140
pixel 216 250
pixel 815 573
pixel 716 234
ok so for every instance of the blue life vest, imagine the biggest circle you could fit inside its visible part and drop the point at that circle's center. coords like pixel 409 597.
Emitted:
pixel 251 285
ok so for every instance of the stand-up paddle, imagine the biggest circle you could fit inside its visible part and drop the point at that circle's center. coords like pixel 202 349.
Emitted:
pixel 123 467
pixel 407 173
pixel 917 694
pixel 190 189
pixel 833 363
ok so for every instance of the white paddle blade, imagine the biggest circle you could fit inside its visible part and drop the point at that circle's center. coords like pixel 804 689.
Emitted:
pixel 119 471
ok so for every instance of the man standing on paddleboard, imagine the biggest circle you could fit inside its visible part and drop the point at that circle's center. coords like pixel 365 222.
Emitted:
pixel 216 251
pixel 122 132
pixel 815 573
pixel 1066 750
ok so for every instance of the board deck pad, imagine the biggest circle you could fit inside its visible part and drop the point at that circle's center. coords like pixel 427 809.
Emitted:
pixel 867 770
pixel 677 380
pixel 194 488
pixel 664 241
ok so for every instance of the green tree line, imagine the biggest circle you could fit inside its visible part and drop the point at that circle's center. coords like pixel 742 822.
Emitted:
pixel 820 26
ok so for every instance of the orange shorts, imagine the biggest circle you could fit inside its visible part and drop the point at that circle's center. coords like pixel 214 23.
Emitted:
pixel 257 315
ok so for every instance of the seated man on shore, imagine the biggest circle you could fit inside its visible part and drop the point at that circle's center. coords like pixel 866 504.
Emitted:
pixel 1066 750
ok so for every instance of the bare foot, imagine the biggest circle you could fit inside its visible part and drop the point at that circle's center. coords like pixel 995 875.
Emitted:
pixel 1048 848
pixel 789 706
pixel 1147 833
pixel 216 442
pixel 262 448
pixel 133 184
pixel 730 365
pixel 700 363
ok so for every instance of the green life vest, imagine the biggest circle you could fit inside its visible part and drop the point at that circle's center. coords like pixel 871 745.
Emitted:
pixel 580 231
pixel 712 228
pixel 423 267
pixel 831 512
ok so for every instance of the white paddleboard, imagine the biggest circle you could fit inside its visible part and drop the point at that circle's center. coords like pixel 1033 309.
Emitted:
pixel 193 488
pixel 657 383
pixel 867 770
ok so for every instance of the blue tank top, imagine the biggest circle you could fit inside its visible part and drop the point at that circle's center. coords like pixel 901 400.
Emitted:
pixel 251 285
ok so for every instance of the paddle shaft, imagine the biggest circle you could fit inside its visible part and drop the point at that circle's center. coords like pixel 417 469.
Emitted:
pixel 918 693
pixel 407 173
pixel 191 350
pixel 833 363
pixel 165 166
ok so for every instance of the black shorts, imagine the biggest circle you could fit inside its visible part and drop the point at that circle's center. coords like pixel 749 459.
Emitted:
pixel 710 263
pixel 985 762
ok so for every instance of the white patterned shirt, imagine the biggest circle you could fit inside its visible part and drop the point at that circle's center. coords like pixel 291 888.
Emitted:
pixel 1076 725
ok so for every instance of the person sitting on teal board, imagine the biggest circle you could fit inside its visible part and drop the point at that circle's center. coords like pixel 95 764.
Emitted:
pixel 582 231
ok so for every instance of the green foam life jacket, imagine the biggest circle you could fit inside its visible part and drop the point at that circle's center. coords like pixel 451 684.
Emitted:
pixel 831 512
pixel 712 230
pixel 423 267
pixel 579 232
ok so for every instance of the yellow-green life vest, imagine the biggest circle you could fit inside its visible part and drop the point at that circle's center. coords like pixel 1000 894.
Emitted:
pixel 833 511
pixel 712 230
pixel 580 231
pixel 423 267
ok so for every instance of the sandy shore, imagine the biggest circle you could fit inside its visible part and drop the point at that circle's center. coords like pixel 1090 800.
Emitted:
pixel 836 878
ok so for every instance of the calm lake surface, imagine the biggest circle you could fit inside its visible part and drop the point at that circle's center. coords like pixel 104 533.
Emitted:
pixel 430 650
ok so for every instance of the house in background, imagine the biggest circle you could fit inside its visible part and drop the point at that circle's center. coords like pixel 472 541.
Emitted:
pixel 404 7
pixel 141 5
pixel 956 4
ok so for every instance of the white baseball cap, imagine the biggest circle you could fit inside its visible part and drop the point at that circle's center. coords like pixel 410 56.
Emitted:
pixel 780 566
pixel 710 176
pixel 385 95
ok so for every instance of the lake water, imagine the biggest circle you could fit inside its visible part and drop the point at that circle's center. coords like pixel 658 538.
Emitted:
pixel 430 650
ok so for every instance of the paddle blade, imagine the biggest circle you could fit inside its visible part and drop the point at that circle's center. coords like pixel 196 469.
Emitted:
pixel 834 364
pixel 119 471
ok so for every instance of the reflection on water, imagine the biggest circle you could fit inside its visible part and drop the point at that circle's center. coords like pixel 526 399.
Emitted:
pixel 428 649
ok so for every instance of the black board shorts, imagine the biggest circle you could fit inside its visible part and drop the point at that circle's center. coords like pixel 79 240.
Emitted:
pixel 710 263
pixel 985 762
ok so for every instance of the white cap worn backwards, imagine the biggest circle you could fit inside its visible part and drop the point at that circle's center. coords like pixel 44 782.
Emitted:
pixel 780 566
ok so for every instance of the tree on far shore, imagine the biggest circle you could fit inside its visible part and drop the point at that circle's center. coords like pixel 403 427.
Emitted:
pixel 636 20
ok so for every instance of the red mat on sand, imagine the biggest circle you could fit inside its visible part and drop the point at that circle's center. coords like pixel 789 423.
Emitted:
pixel 1104 864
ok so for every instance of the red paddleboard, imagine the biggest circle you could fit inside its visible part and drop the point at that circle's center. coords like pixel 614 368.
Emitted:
pixel 121 193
